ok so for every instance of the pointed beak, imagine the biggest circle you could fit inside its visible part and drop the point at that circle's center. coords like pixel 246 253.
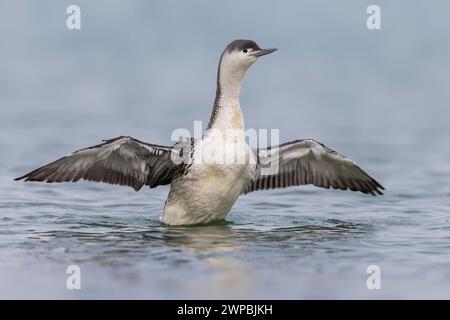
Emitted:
pixel 263 52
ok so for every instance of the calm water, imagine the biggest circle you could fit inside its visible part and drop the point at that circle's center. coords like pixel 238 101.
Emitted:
pixel 379 97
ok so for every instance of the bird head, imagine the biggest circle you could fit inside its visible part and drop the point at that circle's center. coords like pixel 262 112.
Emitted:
pixel 241 54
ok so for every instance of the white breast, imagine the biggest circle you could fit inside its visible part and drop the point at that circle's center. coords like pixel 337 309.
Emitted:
pixel 221 169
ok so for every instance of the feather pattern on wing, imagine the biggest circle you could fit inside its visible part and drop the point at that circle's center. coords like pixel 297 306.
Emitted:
pixel 122 160
pixel 303 162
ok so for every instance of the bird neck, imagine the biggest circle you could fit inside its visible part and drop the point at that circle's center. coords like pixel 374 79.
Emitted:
pixel 226 112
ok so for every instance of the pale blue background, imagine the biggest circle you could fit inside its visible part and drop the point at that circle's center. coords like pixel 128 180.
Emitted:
pixel 143 68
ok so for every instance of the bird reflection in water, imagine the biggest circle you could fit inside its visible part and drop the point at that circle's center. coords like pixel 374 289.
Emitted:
pixel 218 245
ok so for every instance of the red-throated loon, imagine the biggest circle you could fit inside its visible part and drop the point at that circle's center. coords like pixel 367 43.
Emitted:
pixel 203 188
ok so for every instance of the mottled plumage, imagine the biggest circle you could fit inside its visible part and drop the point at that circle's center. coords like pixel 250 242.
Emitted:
pixel 124 161
pixel 303 162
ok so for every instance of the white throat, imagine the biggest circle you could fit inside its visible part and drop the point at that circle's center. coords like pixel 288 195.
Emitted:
pixel 227 110
pixel 230 81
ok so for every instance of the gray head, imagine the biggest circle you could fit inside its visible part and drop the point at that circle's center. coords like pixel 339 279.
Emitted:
pixel 248 47
pixel 237 57
pixel 241 54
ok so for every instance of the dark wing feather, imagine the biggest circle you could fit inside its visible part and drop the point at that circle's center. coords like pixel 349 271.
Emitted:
pixel 307 161
pixel 123 161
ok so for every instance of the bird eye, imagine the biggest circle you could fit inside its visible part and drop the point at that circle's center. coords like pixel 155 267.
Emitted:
pixel 245 50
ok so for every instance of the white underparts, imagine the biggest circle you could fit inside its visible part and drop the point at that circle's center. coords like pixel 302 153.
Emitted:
pixel 223 163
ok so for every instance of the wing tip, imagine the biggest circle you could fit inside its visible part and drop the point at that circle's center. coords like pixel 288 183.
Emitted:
pixel 25 176
pixel 375 191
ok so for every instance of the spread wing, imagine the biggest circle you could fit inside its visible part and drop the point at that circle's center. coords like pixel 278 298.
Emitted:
pixel 307 161
pixel 123 160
